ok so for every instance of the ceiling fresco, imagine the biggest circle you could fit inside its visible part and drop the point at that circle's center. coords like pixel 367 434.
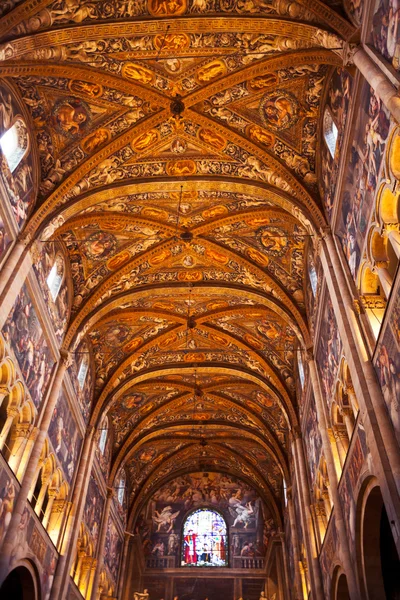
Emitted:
pixel 177 144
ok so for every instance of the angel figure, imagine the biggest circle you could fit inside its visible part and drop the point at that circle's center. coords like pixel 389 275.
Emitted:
pixel 139 596
pixel 242 514
pixel 165 518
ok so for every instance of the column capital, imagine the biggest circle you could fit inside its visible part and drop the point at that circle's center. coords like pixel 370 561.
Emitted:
pixel 66 358
pixel 25 237
pixel 348 53
pixel 110 492
pixel 296 433
pixel 309 354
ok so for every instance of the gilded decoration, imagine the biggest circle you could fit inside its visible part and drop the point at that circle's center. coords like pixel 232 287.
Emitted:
pixel 184 232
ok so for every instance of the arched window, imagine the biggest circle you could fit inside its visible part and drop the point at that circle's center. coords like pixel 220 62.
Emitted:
pixel 103 435
pixel 83 369
pixel 312 274
pixel 204 539
pixel 55 277
pixel 330 132
pixel 14 143
pixel 121 488
pixel 300 367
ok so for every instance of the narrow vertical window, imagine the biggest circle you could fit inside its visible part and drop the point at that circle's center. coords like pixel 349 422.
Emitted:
pixel 55 277
pixel 103 435
pixel 121 488
pixel 330 132
pixel 83 369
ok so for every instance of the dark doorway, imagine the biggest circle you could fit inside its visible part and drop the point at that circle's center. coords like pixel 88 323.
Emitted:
pixel 342 592
pixel 381 561
pixel 18 585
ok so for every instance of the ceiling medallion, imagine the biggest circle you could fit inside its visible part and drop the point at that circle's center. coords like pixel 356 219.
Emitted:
pixel 177 106
pixel 279 110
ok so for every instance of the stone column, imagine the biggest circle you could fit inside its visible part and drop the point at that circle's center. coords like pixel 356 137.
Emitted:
pixel 379 430
pixel 70 539
pixel 305 503
pixel 12 413
pixel 384 89
pixel 333 480
pixel 102 543
pixel 10 268
pixel 20 438
pixel 394 238
pixel 30 472
pixel 123 565
pixel 298 588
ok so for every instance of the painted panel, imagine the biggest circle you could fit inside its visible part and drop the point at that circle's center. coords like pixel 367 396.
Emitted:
pixel 44 260
pixel 19 184
pixel 385 32
pixel 84 394
pixel 387 361
pixel 372 125
pixel 113 549
pixel 312 439
pixel 93 510
pixel 65 436
pixel 5 239
pixel 327 556
pixel 329 350
pixel 24 332
pixel 249 522
pixel 349 482
pixel 339 93
pixel 8 491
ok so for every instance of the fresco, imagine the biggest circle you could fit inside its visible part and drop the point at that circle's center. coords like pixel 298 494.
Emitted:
pixel 387 361
pixel 4 238
pixel 329 350
pixel 19 184
pixel 355 9
pixel 312 439
pixel 372 125
pixel 8 491
pixel 327 556
pixel 104 458
pixel 65 436
pixel 338 98
pixel 249 521
pixel 385 33
pixel 84 393
pixel 93 510
pixel 348 483
pixel 24 332
pixel 43 261
pixel 113 549
pixel 30 541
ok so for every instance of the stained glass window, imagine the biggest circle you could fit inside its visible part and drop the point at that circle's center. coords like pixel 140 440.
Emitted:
pixel 204 540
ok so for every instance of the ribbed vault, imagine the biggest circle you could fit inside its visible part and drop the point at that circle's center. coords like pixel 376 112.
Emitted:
pixel 178 158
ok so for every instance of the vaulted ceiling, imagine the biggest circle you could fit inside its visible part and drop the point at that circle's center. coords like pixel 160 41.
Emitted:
pixel 178 156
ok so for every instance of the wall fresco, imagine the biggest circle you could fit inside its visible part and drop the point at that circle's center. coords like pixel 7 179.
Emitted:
pixel 19 183
pixel 327 556
pixel 84 393
pixel 93 510
pixel 329 350
pixel 43 261
pixel 65 436
pixel 339 93
pixel 387 361
pixel 5 239
pixel 312 439
pixel 249 521
pixel 385 33
pixel 372 125
pixel 24 332
pixel 113 549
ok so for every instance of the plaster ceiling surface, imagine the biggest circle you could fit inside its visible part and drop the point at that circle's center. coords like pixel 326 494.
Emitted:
pixel 178 151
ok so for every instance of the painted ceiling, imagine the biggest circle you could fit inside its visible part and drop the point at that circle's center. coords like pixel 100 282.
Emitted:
pixel 178 156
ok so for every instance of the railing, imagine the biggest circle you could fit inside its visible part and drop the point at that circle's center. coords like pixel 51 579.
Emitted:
pixel 238 562
pixel 160 562
pixel 243 562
